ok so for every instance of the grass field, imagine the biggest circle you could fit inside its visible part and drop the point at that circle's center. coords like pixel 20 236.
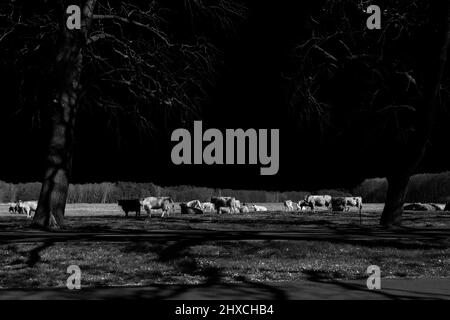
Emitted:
pixel 130 263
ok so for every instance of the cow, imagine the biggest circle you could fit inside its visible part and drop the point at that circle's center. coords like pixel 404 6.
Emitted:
pixel 132 205
pixel 194 204
pixel 220 202
pixel 237 206
pixel 13 208
pixel 338 204
pixel 438 207
pixel 258 208
pixel 420 207
pixel 28 207
pixel 342 204
pixel 225 210
pixel 185 209
pixel 244 209
pixel 163 203
pixel 318 201
pixel 288 205
pixel 301 204
pixel 353 202
pixel 207 206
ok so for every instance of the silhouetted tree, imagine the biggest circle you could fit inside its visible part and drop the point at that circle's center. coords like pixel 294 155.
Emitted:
pixel 382 84
pixel 414 149
pixel 128 58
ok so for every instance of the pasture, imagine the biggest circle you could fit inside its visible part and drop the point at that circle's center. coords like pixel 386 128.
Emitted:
pixel 273 246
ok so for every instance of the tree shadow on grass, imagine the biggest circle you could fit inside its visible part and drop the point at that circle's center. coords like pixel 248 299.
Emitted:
pixel 178 254
pixel 34 256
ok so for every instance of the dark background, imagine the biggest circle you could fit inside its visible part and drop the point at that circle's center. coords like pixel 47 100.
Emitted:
pixel 249 93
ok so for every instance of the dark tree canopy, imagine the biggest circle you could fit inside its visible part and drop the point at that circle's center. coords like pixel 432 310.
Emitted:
pixel 342 95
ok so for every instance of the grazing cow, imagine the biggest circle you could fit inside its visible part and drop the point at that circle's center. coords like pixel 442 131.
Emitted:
pixel 220 202
pixel 194 204
pixel 288 205
pixel 28 207
pixel 13 208
pixel 225 210
pixel 207 206
pixel 338 204
pixel 353 202
pixel 318 201
pixel 258 208
pixel 237 206
pixel 185 209
pixel 163 203
pixel 132 205
pixel 301 204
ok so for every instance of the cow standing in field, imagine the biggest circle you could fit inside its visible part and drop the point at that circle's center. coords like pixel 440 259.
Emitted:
pixel 28 207
pixel 353 202
pixel 318 201
pixel 220 202
pixel 225 210
pixel 288 205
pixel 133 205
pixel 237 206
pixel 13 208
pixel 207 206
pixel 163 203
pixel 338 204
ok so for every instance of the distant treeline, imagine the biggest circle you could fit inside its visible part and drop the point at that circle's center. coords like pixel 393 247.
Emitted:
pixel 426 187
pixel 422 188
pixel 111 192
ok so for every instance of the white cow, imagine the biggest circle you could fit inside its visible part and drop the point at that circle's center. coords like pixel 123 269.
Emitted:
pixel 288 204
pixel 225 210
pixel 318 201
pixel 194 204
pixel 163 203
pixel 237 206
pixel 207 206
pixel 28 207
pixel 353 202
pixel 258 208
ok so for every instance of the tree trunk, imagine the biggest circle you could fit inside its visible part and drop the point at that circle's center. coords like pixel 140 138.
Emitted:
pixel 395 199
pixel 53 196
pixel 407 162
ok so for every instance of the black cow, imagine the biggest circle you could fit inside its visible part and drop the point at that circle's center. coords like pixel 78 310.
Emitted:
pixel 132 205
pixel 220 202
pixel 338 204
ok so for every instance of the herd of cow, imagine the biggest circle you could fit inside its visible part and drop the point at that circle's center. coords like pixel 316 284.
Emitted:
pixel 217 204
pixel 23 207
pixel 232 205
pixel 166 204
